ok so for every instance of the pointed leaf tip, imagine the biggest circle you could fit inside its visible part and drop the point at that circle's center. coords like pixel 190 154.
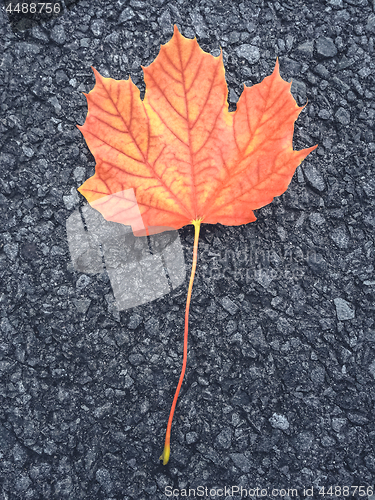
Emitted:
pixel 277 66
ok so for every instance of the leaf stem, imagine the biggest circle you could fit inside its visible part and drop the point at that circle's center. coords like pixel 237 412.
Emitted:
pixel 167 450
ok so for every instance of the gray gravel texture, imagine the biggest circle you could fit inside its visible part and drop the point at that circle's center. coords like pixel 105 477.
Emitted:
pixel 279 390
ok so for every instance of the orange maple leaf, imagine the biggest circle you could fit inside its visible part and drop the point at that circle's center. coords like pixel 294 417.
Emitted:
pixel 180 157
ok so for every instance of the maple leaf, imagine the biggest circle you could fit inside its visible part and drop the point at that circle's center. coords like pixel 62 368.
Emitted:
pixel 180 157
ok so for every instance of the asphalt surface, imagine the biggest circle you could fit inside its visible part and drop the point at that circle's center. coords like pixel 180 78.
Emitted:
pixel 279 391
